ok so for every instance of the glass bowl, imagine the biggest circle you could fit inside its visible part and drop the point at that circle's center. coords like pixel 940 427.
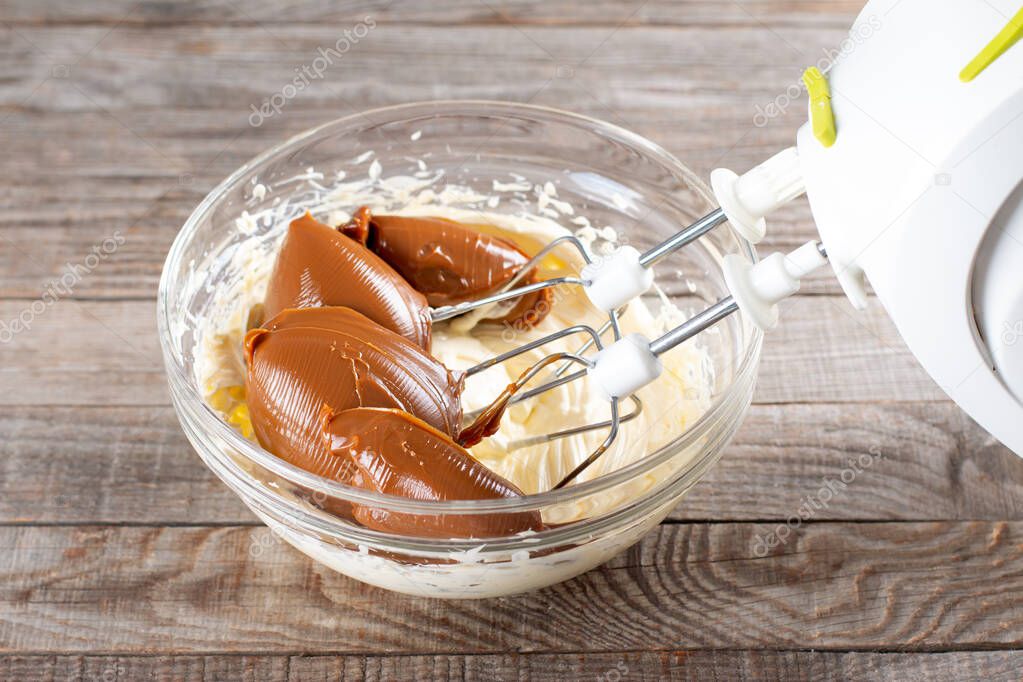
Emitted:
pixel 620 178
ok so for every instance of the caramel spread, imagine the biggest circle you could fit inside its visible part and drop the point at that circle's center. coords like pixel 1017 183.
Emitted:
pixel 319 266
pixel 395 453
pixel 339 378
pixel 448 262
pixel 305 358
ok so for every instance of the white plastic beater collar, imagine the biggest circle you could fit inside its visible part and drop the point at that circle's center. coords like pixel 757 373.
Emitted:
pixel 616 279
pixel 748 198
pixel 757 289
pixel 626 366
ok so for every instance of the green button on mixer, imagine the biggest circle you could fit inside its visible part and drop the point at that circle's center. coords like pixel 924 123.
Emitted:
pixel 822 116
pixel 1005 39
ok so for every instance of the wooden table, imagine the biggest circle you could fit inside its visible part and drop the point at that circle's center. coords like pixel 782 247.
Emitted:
pixel 122 557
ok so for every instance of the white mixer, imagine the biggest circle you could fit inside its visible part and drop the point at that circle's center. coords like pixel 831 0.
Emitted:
pixel 912 162
pixel 913 166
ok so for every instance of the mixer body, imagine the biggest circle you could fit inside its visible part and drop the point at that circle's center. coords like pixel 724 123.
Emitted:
pixel 921 193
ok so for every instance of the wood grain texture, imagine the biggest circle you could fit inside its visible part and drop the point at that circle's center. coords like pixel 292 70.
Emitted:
pixel 916 587
pixel 132 465
pixel 991 666
pixel 100 63
pixel 753 13
pixel 169 668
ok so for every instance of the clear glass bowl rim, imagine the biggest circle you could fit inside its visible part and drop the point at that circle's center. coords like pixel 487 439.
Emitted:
pixel 212 423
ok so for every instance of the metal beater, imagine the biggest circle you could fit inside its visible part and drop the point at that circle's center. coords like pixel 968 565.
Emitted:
pixel 632 362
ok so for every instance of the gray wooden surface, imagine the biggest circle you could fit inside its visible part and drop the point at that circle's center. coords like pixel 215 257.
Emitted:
pixel 122 557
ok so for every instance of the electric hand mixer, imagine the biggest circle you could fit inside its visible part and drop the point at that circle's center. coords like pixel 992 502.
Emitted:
pixel 912 163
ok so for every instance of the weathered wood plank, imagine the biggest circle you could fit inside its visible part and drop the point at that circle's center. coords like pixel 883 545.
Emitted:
pixel 170 668
pixel 670 665
pixel 77 352
pixel 106 465
pixel 677 100
pixel 80 353
pixel 682 76
pixel 752 13
pixel 991 666
pixel 831 586
pixel 114 465
pixel 930 461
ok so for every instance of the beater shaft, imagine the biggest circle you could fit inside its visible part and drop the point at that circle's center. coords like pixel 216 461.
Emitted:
pixel 686 236
pixel 694 325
